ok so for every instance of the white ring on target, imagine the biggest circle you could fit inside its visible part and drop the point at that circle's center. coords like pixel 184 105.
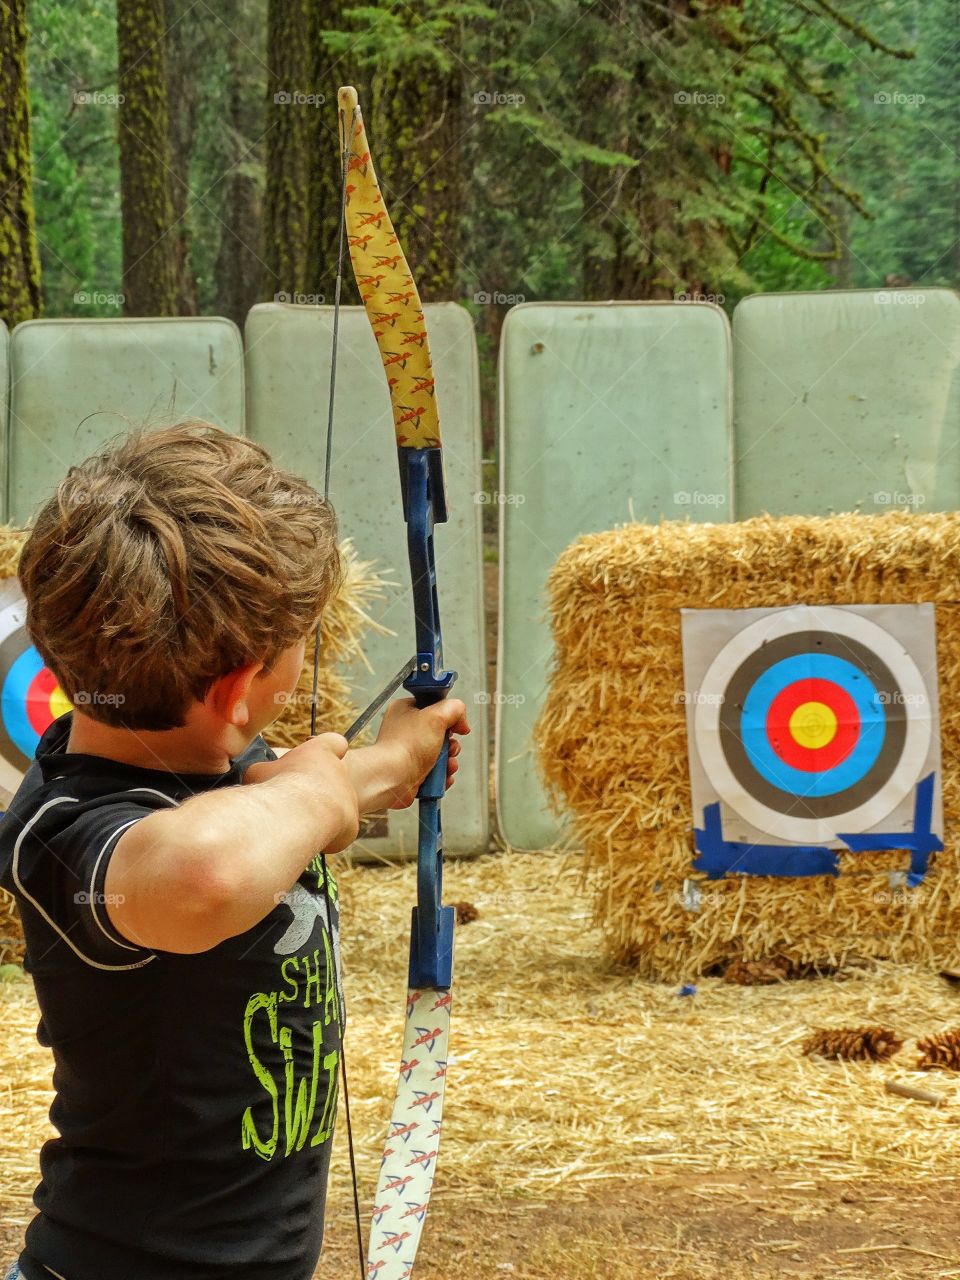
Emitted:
pixel 12 618
pixel 917 710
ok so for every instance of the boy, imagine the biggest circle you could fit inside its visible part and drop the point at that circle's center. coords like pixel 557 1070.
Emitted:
pixel 166 863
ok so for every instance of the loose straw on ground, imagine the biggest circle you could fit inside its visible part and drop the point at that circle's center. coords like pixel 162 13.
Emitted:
pixel 613 743
pixel 567 1072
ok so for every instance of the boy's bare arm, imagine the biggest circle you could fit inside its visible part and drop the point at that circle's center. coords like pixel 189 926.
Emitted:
pixel 185 879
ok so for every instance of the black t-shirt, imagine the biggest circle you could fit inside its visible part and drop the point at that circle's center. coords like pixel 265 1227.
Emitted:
pixel 195 1094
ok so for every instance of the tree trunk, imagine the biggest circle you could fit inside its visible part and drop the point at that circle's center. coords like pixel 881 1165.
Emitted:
pixel 416 140
pixel 238 267
pixel 149 243
pixel 301 215
pixel 187 47
pixel 20 297
pixel 290 133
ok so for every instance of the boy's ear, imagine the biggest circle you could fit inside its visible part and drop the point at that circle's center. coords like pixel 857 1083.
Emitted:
pixel 228 696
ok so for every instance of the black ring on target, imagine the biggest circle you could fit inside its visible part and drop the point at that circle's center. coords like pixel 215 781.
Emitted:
pixel 800 644
pixel 11 648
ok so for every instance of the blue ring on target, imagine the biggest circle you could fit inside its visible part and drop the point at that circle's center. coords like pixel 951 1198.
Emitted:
pixel 14 700
pixel 756 706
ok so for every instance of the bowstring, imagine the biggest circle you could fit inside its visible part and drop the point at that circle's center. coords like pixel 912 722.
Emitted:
pixel 341 1006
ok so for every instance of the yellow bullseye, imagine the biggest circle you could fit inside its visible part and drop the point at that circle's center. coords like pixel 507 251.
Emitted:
pixel 813 725
pixel 59 703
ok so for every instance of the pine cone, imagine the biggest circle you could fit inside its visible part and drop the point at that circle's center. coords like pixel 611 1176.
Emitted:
pixel 942 1050
pixel 758 973
pixel 855 1044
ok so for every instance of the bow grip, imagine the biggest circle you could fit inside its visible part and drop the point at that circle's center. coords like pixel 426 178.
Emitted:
pixel 431 933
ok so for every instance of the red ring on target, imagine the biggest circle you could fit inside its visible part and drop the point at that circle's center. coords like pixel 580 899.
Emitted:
pixel 780 732
pixel 40 700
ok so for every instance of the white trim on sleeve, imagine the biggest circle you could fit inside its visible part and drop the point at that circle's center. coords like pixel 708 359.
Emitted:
pixel 94 964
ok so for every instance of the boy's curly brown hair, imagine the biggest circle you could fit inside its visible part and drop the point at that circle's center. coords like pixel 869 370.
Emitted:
pixel 174 556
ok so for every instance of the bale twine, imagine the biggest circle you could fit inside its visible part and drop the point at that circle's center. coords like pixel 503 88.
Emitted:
pixel 345 622
pixel 613 744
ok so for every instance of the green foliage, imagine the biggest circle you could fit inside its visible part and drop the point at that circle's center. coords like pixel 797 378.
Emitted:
pixel 396 33
pixel 583 173
pixel 906 158
pixel 73 85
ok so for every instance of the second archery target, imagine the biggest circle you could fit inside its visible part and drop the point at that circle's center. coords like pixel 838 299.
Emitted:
pixel 809 724
pixel 30 697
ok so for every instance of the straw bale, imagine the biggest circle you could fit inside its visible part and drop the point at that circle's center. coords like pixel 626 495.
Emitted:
pixel 613 745
pixel 345 622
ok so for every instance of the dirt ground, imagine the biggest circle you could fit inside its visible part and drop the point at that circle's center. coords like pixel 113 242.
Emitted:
pixel 717 1227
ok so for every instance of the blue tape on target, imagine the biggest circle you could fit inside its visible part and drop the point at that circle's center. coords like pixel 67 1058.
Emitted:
pixel 720 857
pixel 920 842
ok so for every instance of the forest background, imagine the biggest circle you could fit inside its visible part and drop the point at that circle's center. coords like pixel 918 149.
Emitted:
pixel 180 157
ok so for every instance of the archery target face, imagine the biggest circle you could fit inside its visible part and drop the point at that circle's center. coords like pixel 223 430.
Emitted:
pixel 30 697
pixel 810 722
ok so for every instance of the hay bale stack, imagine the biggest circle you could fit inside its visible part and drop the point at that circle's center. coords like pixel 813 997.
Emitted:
pixel 345 622
pixel 613 743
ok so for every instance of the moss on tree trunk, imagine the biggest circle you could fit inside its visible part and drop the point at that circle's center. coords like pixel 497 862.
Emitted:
pixel 416 133
pixel 20 297
pixel 301 200
pixel 150 270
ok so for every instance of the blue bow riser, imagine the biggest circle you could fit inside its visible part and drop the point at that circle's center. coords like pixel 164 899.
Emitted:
pixel 424 505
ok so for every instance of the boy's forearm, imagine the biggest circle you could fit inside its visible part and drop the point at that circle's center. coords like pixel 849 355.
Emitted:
pixel 378 776
pixel 259 840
